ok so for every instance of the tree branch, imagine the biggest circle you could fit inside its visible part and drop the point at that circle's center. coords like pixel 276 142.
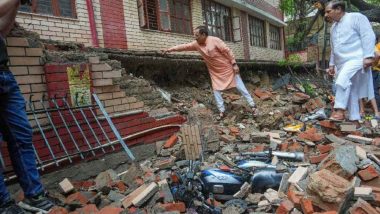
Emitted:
pixel 373 15
pixel 362 5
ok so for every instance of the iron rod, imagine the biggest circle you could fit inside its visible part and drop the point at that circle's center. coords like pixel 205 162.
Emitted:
pixel 120 139
pixel 67 127
pixel 55 131
pixel 80 129
pixel 89 125
pixel 31 106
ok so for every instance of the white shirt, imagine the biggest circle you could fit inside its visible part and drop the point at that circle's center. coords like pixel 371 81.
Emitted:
pixel 352 39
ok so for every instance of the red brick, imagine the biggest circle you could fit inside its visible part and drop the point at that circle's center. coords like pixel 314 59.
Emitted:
pixel 171 141
pixel 327 212
pixel 76 198
pixel 317 158
pixel 120 185
pixel 263 95
pixel 110 210
pixel 307 206
pixel 88 209
pixel 324 148
pixel 258 148
pixel 311 134
pixel 284 146
pixel 376 141
pixel 368 174
pixel 362 207
pixel 178 206
pixel 293 197
pixel 58 210
pixel 285 207
pixel 234 130
pixel 85 185
pixel 295 147
pixel 328 124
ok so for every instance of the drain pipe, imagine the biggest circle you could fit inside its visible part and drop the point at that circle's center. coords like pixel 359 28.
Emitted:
pixel 91 19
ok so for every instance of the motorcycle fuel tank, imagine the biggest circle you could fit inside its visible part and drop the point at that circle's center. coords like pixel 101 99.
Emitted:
pixel 223 185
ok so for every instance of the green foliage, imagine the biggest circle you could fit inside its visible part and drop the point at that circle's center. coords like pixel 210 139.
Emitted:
pixel 374 2
pixel 293 60
pixel 288 7
pixel 309 90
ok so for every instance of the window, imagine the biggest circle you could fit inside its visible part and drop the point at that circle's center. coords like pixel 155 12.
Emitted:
pixel 217 18
pixel 274 37
pixel 165 15
pixel 63 8
pixel 257 32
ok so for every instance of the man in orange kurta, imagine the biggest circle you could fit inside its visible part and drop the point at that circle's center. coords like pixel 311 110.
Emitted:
pixel 221 65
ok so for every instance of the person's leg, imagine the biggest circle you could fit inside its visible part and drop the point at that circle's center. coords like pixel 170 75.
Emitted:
pixel 4 194
pixel 243 90
pixel 376 86
pixel 375 107
pixel 362 108
pixel 18 134
pixel 353 105
pixel 341 101
pixel 219 101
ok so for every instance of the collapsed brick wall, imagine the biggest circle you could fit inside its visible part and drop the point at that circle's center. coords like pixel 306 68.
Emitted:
pixel 40 78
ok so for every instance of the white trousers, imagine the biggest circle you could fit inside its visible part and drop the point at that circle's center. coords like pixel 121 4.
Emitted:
pixel 348 98
pixel 241 88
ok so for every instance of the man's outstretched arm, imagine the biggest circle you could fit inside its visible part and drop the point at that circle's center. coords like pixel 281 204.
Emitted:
pixel 8 11
pixel 184 47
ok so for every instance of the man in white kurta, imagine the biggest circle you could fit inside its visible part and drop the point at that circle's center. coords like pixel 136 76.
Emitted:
pixel 352 42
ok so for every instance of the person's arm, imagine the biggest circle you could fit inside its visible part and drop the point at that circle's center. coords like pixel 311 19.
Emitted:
pixel 184 47
pixel 367 37
pixel 331 69
pixel 226 51
pixel 8 11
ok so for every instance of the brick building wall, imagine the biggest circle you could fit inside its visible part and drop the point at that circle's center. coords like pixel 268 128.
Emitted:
pixel 260 53
pixel 136 38
pixel 157 40
pixel 60 28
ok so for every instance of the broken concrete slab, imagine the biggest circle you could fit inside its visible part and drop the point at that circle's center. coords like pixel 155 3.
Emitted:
pixel 334 139
pixel 359 139
pixel 328 186
pixel 341 161
pixel 105 179
pixel 298 175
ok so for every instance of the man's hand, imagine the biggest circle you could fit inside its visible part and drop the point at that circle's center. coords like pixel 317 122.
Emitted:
pixel 367 62
pixel 165 51
pixel 331 70
pixel 236 69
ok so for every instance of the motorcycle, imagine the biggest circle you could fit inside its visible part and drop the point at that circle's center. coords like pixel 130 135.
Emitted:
pixel 196 185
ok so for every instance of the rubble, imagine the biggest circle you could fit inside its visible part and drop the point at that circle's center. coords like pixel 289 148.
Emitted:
pixel 289 159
